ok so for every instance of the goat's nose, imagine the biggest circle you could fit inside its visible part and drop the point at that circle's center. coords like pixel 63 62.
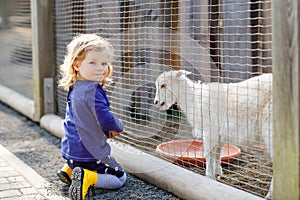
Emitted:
pixel 155 102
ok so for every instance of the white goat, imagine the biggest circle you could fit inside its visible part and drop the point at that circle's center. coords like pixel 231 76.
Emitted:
pixel 236 113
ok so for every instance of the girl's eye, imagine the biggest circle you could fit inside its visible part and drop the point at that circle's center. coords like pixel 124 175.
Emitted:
pixel 104 64
pixel 92 63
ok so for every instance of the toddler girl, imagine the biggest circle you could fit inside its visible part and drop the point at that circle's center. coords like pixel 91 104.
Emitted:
pixel 88 121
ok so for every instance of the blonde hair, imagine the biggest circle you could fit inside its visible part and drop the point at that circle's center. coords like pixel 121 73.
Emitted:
pixel 77 51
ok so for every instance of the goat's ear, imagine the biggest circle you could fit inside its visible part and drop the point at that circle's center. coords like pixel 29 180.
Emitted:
pixel 182 72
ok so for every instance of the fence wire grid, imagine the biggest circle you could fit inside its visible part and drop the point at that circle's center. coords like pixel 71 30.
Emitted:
pixel 225 44
pixel 16 46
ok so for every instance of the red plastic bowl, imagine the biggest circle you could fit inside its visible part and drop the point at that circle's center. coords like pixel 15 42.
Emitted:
pixel 187 152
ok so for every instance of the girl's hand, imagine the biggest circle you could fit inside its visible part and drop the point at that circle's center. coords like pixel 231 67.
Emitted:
pixel 114 133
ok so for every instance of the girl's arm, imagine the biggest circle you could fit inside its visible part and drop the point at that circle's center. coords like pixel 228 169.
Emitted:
pixel 106 119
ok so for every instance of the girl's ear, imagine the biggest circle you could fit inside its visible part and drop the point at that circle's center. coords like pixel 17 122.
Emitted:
pixel 109 70
pixel 76 65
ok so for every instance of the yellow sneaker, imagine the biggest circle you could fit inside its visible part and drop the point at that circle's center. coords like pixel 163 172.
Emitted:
pixel 65 174
pixel 82 181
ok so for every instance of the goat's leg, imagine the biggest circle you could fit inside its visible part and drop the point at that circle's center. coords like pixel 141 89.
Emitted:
pixel 213 163
pixel 210 167
pixel 218 160
pixel 270 193
pixel 211 159
pixel 197 133
pixel 267 135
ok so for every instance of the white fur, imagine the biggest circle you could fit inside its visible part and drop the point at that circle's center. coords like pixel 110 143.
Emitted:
pixel 236 113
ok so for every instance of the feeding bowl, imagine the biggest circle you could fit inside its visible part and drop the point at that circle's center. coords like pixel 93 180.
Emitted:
pixel 189 152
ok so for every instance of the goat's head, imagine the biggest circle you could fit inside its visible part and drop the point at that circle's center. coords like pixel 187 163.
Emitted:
pixel 167 88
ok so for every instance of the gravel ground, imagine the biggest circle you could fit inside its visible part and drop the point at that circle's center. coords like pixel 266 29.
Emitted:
pixel 41 151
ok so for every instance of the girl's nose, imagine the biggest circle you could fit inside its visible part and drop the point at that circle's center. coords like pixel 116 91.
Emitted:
pixel 101 67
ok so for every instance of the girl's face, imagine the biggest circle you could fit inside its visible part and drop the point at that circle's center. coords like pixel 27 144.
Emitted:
pixel 94 67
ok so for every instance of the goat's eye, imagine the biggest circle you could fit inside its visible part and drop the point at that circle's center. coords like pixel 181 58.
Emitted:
pixel 162 86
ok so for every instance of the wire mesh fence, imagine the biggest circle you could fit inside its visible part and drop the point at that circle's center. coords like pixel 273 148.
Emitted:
pixel 16 46
pixel 225 102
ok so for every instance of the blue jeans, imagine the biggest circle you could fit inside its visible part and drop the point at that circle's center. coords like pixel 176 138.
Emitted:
pixel 106 166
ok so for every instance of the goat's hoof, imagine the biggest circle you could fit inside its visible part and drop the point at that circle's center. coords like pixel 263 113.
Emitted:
pixel 219 171
pixel 211 177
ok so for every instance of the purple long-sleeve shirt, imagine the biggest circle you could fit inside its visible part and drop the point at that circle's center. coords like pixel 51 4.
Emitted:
pixel 87 123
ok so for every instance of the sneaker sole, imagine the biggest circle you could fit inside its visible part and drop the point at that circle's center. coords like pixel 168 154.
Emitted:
pixel 75 190
pixel 64 177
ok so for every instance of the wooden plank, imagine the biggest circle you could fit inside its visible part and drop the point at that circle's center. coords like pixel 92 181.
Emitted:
pixel 42 50
pixel 266 37
pixel 214 39
pixel 261 36
pixel 286 41
pixel 78 19
pixel 170 20
pixel 237 63
pixel 194 37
